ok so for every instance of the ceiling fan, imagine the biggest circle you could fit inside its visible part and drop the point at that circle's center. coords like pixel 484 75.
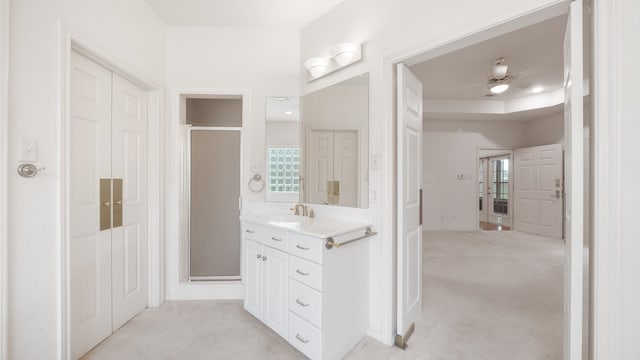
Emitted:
pixel 498 81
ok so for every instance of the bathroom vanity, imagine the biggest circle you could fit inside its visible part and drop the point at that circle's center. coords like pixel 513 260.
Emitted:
pixel 308 280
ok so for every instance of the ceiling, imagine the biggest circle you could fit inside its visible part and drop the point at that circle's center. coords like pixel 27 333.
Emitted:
pixel 459 78
pixel 241 13
pixel 534 53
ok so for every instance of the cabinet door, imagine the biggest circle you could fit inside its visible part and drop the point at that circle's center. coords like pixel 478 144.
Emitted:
pixel 275 290
pixel 253 277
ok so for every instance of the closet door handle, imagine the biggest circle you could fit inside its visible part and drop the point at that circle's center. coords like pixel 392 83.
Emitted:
pixel 105 204
pixel 117 203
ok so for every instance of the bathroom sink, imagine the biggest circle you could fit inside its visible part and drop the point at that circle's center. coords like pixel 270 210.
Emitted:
pixel 322 227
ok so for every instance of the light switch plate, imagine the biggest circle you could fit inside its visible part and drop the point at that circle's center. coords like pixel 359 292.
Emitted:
pixel 375 161
pixel 28 150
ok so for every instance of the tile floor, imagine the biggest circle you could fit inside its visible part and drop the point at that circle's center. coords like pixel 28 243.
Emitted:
pixel 487 295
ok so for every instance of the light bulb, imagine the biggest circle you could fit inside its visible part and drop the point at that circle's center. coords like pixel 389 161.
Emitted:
pixel 499 88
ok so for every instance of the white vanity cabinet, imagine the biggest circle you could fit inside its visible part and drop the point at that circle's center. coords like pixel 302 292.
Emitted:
pixel 265 271
pixel 326 290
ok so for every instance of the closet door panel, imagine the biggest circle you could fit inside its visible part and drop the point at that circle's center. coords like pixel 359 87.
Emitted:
pixel 129 238
pixel 90 161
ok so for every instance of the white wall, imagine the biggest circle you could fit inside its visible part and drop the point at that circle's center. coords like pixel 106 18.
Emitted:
pixel 544 131
pixel 127 32
pixel 616 289
pixel 450 148
pixel 393 29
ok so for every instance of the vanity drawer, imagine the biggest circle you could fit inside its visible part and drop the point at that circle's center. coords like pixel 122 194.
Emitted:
pixel 305 272
pixel 306 247
pixel 274 238
pixel 305 337
pixel 305 302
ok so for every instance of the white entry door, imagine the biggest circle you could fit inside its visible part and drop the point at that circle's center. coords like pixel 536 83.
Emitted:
pixel 108 203
pixel 538 190
pixel 574 183
pixel 409 271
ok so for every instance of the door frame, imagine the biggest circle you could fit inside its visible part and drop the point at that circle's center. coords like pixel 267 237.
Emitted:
pixel 71 41
pixel 5 19
pixel 419 53
pixel 178 285
pixel 496 152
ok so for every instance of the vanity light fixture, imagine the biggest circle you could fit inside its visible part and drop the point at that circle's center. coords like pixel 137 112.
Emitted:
pixel 342 54
pixel 316 66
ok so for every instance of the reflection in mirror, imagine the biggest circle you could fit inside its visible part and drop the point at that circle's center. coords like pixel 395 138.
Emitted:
pixel 282 140
pixel 335 133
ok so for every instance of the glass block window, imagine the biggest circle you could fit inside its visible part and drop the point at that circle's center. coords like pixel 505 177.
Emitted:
pixel 283 166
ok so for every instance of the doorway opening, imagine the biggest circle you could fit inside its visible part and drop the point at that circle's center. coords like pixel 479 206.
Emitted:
pixel 207 146
pixel 214 147
pixel 495 186
pixel 462 115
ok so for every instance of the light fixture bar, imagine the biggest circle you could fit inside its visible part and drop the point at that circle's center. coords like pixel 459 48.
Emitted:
pixel 342 55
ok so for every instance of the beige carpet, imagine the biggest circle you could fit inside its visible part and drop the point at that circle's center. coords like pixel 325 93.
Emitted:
pixel 487 295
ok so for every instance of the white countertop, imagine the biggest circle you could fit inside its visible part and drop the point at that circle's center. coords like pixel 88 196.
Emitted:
pixel 322 227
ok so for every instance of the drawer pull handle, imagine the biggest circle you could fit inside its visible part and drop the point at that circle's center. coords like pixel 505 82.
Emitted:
pixel 301 303
pixel 275 239
pixel 302 273
pixel 302 247
pixel 301 339
pixel 250 231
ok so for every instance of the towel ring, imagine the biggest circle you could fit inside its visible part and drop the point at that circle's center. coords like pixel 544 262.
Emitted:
pixel 256 178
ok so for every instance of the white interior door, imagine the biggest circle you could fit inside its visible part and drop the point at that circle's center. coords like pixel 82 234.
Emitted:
pixel 129 160
pixel 538 190
pixel 409 250
pixel 345 165
pixel 320 165
pixel 573 171
pixel 90 248
pixel 108 203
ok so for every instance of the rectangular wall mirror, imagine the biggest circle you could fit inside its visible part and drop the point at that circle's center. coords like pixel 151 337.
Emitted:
pixel 282 141
pixel 335 144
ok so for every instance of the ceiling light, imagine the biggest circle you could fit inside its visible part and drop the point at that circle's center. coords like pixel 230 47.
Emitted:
pixel 316 66
pixel 499 88
pixel 344 53
pixel 289 112
pixel 280 98
pixel 537 89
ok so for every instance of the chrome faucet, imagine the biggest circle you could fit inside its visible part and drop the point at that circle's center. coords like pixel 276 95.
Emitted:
pixel 297 209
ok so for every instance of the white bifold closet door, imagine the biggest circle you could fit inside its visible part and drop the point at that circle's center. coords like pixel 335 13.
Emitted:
pixel 108 143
